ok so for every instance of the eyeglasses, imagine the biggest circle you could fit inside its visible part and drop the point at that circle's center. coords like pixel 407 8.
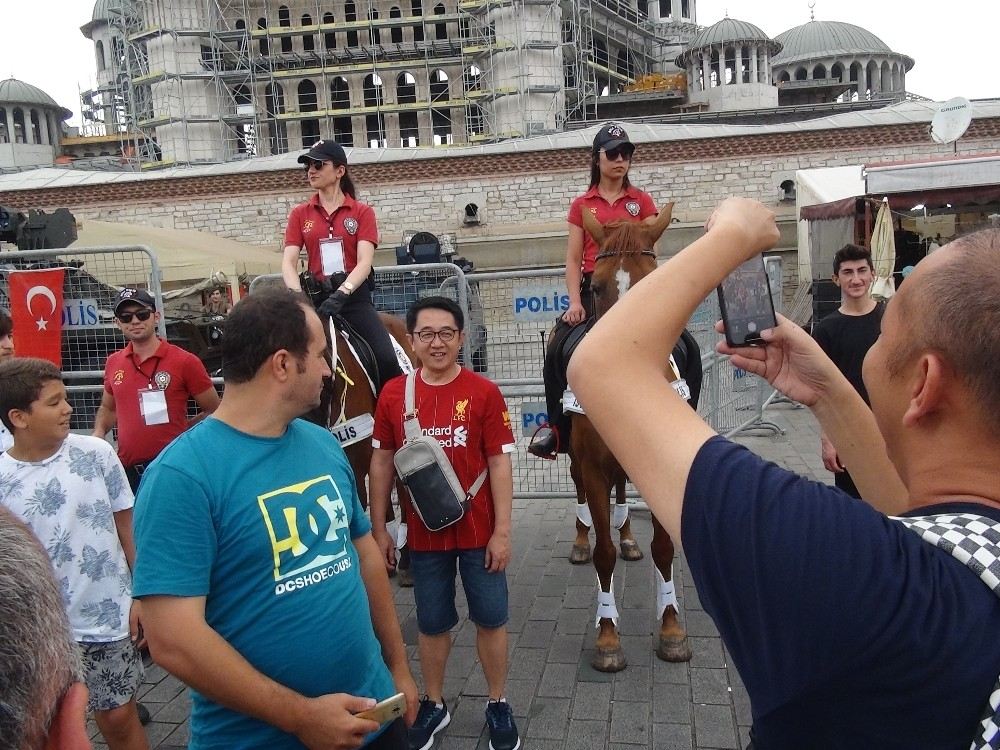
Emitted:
pixel 315 164
pixel 142 315
pixel 621 152
pixel 445 334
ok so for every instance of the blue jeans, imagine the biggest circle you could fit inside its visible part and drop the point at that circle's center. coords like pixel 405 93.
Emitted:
pixel 434 589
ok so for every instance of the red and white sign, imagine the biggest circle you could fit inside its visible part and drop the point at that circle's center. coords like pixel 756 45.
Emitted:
pixel 36 306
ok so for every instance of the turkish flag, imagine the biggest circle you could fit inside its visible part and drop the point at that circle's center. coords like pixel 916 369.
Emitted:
pixel 36 305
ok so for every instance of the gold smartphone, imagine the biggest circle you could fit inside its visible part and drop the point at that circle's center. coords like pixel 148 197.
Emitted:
pixel 387 710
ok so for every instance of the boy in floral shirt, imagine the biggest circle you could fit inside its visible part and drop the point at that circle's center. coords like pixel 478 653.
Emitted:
pixel 72 491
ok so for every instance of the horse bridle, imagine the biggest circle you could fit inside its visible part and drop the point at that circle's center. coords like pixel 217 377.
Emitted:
pixel 622 253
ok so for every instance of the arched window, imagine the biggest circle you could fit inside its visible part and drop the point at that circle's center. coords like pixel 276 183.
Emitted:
pixel 242 98
pixel 262 44
pixel 409 130
pixel 396 32
pixel 241 25
pixel 340 94
pixel 406 89
pixel 99 51
pixel 36 127
pixel 307 96
pixel 855 76
pixel 417 10
pixel 308 40
pixel 373 32
pixel 819 72
pixel 372 89
pixel 873 79
pixel 18 125
pixel 274 103
pixel 837 72
pixel 801 74
pixel 886 75
pixel 439 86
pixel 623 65
pixel 329 37
pixel 284 18
pixel 473 78
pixel 441 28
pixel 784 77
pixel 441 127
pixel 310 132
pixel 4 131
pixel 351 14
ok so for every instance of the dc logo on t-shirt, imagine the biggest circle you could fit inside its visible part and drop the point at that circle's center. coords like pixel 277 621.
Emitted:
pixel 351 225
pixel 632 207
pixel 303 522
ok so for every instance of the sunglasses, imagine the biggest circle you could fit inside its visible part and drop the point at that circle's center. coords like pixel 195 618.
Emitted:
pixel 621 152
pixel 445 334
pixel 314 164
pixel 142 315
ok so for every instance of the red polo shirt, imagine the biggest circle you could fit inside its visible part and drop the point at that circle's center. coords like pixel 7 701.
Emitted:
pixel 469 418
pixel 309 222
pixel 634 204
pixel 171 369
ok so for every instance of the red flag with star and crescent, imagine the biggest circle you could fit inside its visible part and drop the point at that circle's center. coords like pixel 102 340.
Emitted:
pixel 36 303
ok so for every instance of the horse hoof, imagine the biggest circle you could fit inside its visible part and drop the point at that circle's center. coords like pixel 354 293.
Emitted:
pixel 609 660
pixel 404 578
pixel 674 649
pixel 580 554
pixel 630 551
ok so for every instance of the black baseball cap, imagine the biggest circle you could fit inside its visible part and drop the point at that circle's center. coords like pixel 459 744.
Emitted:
pixel 612 136
pixel 325 151
pixel 138 296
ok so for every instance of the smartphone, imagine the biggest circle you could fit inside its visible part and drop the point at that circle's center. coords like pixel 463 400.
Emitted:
pixel 746 304
pixel 387 710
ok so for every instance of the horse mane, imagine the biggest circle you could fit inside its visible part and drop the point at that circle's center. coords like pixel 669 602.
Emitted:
pixel 624 237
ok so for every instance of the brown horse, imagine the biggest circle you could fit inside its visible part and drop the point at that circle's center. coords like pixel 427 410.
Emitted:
pixel 349 396
pixel 626 256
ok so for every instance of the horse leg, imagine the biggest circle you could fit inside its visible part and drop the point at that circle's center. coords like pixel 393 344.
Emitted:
pixel 608 656
pixel 629 546
pixel 673 642
pixel 405 578
pixel 580 553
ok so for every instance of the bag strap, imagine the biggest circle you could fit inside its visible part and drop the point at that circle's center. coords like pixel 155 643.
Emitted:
pixel 974 541
pixel 411 428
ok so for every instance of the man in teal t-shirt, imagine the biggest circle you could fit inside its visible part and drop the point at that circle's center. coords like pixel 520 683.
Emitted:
pixel 261 586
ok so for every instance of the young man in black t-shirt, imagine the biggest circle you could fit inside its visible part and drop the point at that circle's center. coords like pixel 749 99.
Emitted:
pixel 846 335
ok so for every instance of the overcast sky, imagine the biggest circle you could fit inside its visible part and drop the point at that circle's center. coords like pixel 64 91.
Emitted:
pixel 955 46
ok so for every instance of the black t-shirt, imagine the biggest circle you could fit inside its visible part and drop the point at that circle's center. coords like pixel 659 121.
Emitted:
pixel 846 339
pixel 848 629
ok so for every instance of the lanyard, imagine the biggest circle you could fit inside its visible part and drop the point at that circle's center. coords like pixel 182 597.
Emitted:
pixel 142 372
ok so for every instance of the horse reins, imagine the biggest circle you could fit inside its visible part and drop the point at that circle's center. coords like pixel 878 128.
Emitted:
pixel 622 253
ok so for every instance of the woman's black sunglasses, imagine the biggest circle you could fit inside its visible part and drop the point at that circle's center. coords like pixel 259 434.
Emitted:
pixel 315 163
pixel 614 154
pixel 142 315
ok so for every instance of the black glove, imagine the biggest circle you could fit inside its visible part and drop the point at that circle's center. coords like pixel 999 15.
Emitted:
pixel 333 304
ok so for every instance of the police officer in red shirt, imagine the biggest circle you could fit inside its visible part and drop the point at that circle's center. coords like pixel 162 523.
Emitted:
pixel 339 234
pixel 147 386
pixel 611 196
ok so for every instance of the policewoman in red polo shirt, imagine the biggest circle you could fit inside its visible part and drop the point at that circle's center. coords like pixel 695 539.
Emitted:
pixel 611 196
pixel 339 234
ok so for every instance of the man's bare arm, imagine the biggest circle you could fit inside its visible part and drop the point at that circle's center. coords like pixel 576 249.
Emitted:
pixel 106 417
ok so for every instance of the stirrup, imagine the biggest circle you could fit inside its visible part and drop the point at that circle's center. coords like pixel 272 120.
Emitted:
pixel 545 443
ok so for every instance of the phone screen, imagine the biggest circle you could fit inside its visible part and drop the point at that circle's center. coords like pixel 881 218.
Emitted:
pixel 746 304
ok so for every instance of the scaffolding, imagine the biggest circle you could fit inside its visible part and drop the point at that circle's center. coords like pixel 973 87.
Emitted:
pixel 204 81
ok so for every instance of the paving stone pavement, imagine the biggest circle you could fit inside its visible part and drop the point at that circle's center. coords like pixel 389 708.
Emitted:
pixel 560 702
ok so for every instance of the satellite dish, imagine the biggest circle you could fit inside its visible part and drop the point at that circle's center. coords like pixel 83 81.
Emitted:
pixel 952 120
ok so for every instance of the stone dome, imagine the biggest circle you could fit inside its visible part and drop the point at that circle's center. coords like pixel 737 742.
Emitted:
pixel 823 39
pixel 13 91
pixel 101 16
pixel 727 31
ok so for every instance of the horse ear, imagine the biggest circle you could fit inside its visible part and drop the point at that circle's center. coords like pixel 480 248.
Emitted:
pixel 594 228
pixel 657 225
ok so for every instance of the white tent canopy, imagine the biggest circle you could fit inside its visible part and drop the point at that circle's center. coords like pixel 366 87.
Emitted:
pixel 185 256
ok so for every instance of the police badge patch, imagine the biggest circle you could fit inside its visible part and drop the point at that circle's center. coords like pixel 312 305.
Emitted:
pixel 632 207
pixel 162 380
pixel 351 225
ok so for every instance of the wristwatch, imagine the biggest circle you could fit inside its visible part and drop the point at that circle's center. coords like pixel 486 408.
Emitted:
pixel 347 285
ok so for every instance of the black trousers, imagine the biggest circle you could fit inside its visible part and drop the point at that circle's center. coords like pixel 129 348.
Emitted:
pixel 362 315
pixel 552 373
pixel 393 738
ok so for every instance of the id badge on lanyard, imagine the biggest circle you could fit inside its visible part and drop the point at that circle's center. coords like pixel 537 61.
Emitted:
pixel 331 253
pixel 153 406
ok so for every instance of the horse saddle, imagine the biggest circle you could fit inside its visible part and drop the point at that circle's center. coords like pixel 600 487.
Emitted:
pixel 361 349
pixel 686 357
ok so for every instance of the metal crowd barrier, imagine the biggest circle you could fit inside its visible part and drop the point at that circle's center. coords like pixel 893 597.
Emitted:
pixel 93 277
